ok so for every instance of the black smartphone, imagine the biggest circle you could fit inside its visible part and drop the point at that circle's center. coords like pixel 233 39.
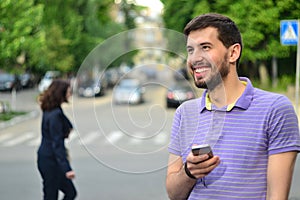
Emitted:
pixel 202 149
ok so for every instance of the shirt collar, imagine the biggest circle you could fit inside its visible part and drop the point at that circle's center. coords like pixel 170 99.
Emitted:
pixel 243 102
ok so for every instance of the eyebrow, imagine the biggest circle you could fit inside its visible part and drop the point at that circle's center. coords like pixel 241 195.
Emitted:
pixel 201 44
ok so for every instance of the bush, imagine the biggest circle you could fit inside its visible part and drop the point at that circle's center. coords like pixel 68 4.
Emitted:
pixel 9 115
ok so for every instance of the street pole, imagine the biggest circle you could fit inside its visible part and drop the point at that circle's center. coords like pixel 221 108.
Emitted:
pixel 297 72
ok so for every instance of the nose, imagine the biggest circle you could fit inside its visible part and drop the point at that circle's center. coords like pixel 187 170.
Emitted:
pixel 196 56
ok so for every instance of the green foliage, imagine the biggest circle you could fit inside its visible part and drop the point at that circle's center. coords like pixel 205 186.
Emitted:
pixel 258 21
pixel 178 13
pixel 40 35
pixel 20 32
pixel 57 50
pixel 284 82
pixel 9 115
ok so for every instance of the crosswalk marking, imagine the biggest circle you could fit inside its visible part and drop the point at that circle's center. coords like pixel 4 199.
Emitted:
pixel 35 142
pixel 115 137
pixel 6 137
pixel 89 138
pixel 20 139
pixel 161 138
pixel 137 138
pixel 73 136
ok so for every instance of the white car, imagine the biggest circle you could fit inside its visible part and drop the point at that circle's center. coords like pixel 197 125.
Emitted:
pixel 47 80
pixel 128 91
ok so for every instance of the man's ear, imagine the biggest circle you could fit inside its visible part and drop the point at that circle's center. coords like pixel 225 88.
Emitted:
pixel 234 52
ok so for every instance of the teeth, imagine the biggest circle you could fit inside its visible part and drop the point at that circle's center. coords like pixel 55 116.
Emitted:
pixel 199 70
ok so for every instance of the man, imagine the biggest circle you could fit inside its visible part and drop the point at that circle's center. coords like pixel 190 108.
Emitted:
pixel 253 133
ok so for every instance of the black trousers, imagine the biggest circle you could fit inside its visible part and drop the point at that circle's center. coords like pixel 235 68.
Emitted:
pixel 54 180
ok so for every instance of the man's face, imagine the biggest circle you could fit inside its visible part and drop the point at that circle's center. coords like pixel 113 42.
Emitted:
pixel 207 58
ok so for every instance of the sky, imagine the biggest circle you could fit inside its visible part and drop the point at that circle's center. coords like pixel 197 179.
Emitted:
pixel 155 5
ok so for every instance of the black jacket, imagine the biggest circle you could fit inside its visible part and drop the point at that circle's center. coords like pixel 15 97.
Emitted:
pixel 55 128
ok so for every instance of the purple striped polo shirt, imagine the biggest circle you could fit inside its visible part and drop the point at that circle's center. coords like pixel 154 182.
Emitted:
pixel 260 124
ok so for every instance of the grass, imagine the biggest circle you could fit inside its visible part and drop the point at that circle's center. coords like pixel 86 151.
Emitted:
pixel 9 115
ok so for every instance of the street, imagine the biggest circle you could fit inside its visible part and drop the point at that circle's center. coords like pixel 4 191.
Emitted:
pixel 117 151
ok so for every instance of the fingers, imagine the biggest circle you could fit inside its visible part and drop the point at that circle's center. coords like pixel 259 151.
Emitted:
pixel 197 159
pixel 202 165
pixel 70 174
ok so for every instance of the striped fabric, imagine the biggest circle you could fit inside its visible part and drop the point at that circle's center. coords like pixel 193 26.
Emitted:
pixel 260 124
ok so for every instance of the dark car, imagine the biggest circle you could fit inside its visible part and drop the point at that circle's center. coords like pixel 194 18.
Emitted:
pixel 8 82
pixel 28 80
pixel 179 93
pixel 112 77
pixel 128 91
pixel 181 74
pixel 91 88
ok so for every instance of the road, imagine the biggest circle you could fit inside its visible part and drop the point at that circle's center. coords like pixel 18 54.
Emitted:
pixel 117 152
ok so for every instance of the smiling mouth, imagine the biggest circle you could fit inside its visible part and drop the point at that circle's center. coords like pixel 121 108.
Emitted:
pixel 200 70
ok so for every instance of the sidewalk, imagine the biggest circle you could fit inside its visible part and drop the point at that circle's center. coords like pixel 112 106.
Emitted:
pixel 24 100
pixel 19 119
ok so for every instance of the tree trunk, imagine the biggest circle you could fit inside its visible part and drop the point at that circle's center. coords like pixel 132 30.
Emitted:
pixel 274 72
pixel 263 74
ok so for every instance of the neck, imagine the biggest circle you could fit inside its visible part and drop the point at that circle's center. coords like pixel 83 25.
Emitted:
pixel 227 92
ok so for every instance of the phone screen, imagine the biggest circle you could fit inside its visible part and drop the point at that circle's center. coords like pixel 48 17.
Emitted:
pixel 202 149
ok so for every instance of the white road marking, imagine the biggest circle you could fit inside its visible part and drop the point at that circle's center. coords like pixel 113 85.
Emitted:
pixel 137 138
pixel 33 139
pixel 73 136
pixel 22 138
pixel 113 137
pixel 35 142
pixel 6 136
pixel 161 138
pixel 89 138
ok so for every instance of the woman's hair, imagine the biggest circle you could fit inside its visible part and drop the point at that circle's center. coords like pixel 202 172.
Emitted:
pixel 228 32
pixel 55 95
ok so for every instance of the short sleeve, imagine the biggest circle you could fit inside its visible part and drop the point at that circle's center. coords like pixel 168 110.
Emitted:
pixel 283 129
pixel 174 146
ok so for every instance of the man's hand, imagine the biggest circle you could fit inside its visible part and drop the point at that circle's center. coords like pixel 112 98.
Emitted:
pixel 201 165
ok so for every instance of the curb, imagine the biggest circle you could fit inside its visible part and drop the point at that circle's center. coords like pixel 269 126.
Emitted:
pixel 19 119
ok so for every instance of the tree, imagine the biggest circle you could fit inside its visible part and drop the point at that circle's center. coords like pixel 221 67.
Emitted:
pixel 178 13
pixel 257 20
pixel 83 24
pixel 20 34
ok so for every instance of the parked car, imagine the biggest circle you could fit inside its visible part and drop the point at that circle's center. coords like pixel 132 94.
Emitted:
pixel 47 80
pixel 28 80
pixel 112 76
pixel 8 82
pixel 178 93
pixel 181 74
pixel 128 91
pixel 91 88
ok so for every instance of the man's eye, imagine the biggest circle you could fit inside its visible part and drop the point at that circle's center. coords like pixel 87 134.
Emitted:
pixel 190 51
pixel 205 47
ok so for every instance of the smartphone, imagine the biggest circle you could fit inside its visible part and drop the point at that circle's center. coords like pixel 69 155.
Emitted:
pixel 202 149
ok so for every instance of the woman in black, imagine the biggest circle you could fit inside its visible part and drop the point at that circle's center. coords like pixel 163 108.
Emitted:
pixel 53 163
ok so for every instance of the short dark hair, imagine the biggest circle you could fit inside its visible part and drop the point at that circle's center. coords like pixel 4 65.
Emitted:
pixel 228 32
pixel 55 95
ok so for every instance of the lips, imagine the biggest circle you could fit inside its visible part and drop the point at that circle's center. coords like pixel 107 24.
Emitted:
pixel 200 72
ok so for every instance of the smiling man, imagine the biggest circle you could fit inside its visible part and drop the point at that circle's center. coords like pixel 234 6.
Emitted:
pixel 253 134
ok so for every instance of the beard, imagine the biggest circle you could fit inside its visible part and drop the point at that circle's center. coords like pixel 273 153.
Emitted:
pixel 215 77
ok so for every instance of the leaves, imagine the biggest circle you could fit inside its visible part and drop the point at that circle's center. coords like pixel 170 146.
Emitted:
pixel 53 35
pixel 258 21
pixel 17 30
